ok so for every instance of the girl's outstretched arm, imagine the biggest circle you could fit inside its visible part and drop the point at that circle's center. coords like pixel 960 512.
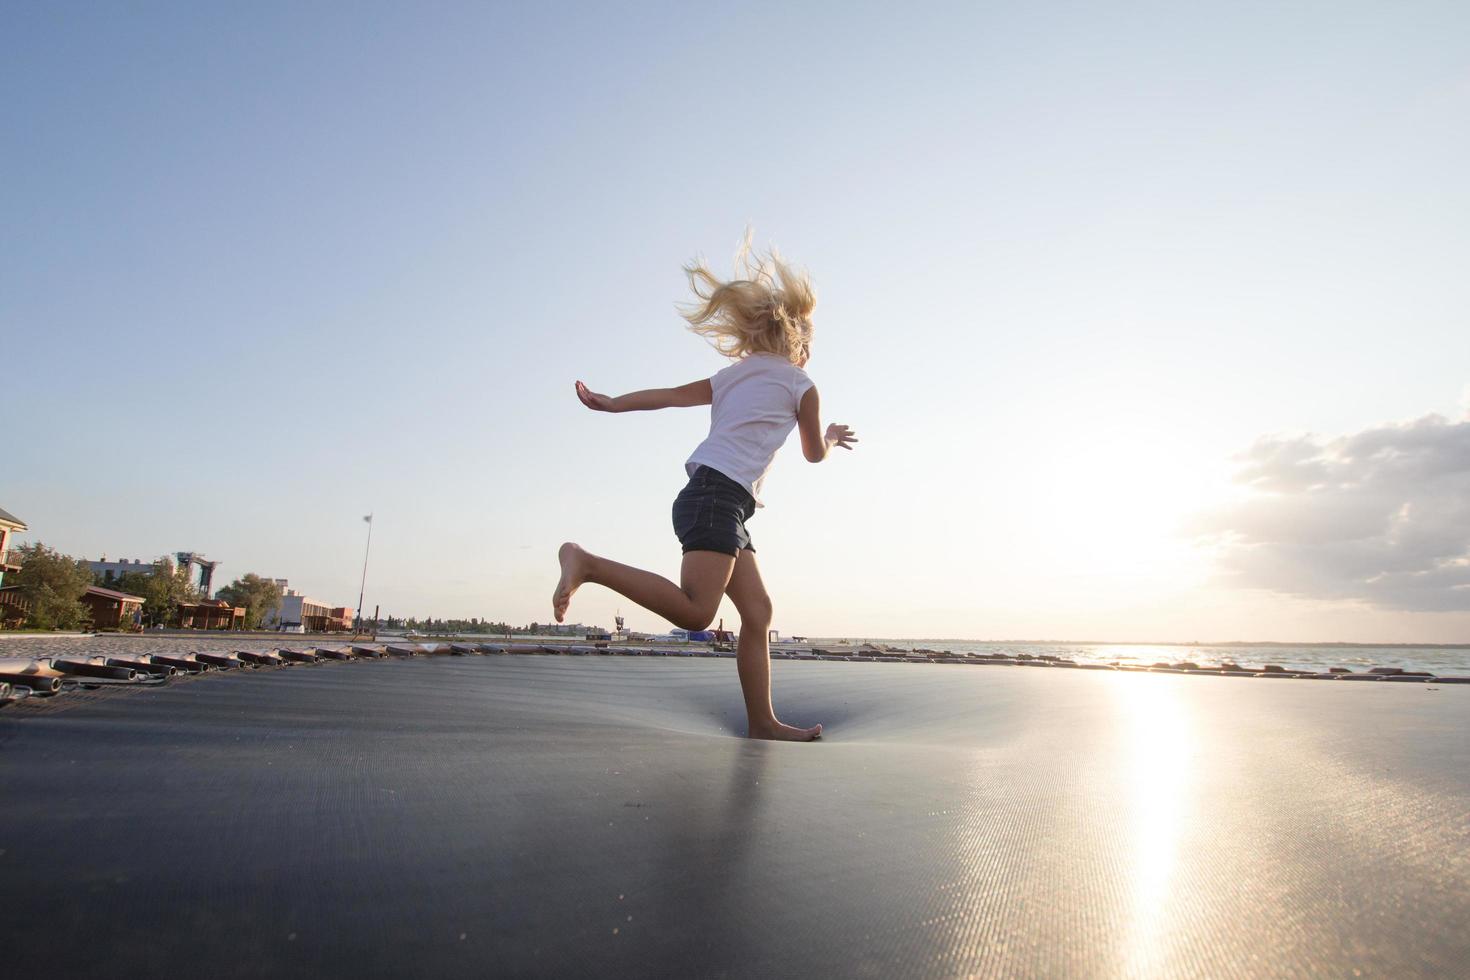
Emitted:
pixel 684 396
pixel 814 444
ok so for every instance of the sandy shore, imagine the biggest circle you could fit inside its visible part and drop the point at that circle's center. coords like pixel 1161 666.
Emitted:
pixel 551 815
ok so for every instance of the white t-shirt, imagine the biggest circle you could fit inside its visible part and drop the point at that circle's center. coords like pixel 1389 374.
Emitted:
pixel 751 414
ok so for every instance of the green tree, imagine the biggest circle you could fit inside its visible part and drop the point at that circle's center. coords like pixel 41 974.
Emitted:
pixel 162 588
pixel 52 585
pixel 257 595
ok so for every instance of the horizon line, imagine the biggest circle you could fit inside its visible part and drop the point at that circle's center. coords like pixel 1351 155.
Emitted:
pixel 1178 643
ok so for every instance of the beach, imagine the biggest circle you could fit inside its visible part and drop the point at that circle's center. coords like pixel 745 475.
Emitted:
pixel 546 815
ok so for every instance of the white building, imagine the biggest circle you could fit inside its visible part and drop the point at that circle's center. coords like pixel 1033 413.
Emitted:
pixel 297 613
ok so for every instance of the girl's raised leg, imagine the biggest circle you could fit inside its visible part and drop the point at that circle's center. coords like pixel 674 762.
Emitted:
pixel 692 604
pixel 753 653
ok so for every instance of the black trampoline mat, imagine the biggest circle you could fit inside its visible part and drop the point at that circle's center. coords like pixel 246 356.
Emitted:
pixel 447 817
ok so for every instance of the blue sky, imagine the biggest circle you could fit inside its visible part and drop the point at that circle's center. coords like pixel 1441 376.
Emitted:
pixel 267 269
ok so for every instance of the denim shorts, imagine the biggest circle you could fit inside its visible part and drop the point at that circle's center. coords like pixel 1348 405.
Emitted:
pixel 710 514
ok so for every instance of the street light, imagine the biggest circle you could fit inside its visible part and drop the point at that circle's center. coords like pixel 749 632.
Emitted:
pixel 357 627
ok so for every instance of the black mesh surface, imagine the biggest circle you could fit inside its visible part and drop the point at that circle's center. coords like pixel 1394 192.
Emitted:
pixel 477 816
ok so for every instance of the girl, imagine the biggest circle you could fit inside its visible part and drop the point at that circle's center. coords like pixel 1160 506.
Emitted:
pixel 763 322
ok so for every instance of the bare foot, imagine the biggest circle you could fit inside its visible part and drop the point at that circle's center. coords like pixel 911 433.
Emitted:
pixel 573 573
pixel 777 732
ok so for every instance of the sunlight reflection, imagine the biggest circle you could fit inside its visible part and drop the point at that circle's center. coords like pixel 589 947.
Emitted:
pixel 1137 653
pixel 1159 740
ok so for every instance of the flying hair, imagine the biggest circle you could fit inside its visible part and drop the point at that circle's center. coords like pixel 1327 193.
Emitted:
pixel 765 309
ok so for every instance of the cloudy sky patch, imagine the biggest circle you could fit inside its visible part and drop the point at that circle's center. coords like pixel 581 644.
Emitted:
pixel 1381 516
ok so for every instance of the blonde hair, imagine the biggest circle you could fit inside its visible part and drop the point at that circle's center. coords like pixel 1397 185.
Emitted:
pixel 766 309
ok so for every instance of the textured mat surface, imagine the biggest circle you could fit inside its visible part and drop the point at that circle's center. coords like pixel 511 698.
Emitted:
pixel 551 815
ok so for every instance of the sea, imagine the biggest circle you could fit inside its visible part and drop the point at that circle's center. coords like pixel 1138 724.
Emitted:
pixel 1442 660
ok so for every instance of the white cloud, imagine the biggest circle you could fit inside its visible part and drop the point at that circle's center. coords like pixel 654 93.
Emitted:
pixel 1381 516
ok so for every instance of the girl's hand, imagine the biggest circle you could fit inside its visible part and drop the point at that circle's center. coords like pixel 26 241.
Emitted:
pixel 594 401
pixel 840 435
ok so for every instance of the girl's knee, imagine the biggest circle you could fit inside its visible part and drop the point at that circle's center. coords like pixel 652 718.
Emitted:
pixel 757 614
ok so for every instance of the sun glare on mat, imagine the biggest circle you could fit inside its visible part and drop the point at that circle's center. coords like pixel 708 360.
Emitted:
pixel 1160 739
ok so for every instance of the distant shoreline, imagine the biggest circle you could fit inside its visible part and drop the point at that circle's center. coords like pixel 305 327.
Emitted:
pixel 1178 643
pixel 385 636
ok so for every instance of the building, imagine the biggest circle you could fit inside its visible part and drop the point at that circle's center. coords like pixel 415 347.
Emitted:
pixel 110 571
pixel 303 614
pixel 210 614
pixel 113 610
pixel 108 610
pixel 13 607
pixel 201 570
pixel 9 524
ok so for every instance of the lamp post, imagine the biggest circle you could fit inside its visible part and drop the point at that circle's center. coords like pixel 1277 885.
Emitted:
pixel 357 626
